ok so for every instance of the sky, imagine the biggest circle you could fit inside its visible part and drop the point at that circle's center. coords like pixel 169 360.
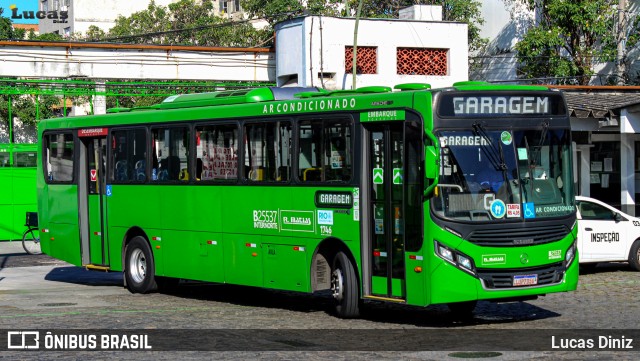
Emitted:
pixel 21 5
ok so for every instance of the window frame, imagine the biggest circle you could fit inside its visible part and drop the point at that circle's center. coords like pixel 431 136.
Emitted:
pixel 190 150
pixel 243 174
pixel 111 165
pixel 348 117
pixel 45 149
pixel 239 149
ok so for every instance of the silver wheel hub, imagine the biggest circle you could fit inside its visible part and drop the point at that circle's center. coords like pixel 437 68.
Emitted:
pixel 337 284
pixel 138 266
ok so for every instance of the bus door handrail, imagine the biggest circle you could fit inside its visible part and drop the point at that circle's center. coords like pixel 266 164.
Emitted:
pixel 429 190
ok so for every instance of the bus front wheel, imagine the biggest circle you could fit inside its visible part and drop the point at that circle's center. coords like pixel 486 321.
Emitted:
pixel 344 287
pixel 139 272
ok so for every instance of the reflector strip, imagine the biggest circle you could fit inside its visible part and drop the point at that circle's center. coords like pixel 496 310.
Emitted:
pixel 296 248
pixel 44 230
pixel 97 233
pixel 252 245
pixel 376 254
pixel 156 238
pixel 212 242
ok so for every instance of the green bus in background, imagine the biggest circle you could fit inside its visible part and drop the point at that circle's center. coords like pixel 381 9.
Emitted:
pixel 416 196
pixel 17 188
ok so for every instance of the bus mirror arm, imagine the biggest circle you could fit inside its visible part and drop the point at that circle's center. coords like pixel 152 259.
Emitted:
pixel 431 164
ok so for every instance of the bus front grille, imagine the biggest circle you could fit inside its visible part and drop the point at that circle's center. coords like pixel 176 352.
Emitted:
pixel 512 237
pixel 503 278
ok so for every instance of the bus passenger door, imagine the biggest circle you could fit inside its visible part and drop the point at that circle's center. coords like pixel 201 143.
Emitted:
pixel 92 201
pixel 384 219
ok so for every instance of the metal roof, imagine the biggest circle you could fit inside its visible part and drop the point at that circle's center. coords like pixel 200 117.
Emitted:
pixel 598 104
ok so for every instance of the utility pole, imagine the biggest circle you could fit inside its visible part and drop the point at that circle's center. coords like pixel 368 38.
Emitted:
pixel 621 40
pixel 355 45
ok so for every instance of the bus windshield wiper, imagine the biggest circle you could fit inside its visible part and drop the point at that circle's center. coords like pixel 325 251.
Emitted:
pixel 496 157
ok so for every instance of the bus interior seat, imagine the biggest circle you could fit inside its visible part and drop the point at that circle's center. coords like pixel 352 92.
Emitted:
pixel 122 171
pixel 257 174
pixel 312 174
pixel 141 172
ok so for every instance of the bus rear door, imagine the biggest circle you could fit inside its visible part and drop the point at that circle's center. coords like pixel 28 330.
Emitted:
pixel 92 197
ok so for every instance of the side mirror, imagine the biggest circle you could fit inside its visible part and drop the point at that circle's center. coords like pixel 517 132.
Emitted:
pixel 617 217
pixel 431 169
pixel 431 162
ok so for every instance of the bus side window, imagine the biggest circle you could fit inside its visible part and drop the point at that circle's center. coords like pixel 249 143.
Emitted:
pixel 217 153
pixel 129 155
pixel 325 150
pixel 59 157
pixel 267 151
pixel 170 147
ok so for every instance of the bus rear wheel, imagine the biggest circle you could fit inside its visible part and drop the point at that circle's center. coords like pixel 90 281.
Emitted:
pixel 140 268
pixel 344 287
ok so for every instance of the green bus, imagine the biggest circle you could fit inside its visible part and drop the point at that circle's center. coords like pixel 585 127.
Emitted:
pixel 409 195
pixel 17 188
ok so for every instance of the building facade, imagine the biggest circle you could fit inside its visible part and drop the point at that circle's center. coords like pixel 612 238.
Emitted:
pixel 318 51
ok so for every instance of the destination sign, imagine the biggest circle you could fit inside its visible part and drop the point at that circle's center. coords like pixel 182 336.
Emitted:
pixel 327 199
pixel 93 132
pixel 460 105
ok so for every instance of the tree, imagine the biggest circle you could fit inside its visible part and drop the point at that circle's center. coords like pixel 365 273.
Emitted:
pixel 279 10
pixel 185 22
pixel 6 28
pixel 570 37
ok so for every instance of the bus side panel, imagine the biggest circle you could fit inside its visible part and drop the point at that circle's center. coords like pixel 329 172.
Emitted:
pixel 285 265
pixel 131 206
pixel 7 221
pixel 193 255
pixel 64 234
pixel 243 259
pixel 192 231
pixel 25 197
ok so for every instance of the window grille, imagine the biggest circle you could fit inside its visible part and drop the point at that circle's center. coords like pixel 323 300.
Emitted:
pixel 415 61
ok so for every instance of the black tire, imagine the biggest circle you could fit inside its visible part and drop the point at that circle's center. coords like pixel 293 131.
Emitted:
pixel 462 309
pixel 634 255
pixel 31 241
pixel 139 267
pixel 344 287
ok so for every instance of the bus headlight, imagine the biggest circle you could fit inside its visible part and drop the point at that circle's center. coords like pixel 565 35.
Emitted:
pixel 460 260
pixel 464 262
pixel 445 252
pixel 570 255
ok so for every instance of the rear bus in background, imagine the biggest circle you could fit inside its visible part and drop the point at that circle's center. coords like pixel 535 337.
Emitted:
pixel 416 196
pixel 17 188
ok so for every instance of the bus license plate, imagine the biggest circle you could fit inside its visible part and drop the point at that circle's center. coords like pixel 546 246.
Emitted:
pixel 525 280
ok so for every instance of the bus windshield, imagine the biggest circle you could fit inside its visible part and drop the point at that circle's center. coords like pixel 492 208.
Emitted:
pixel 503 175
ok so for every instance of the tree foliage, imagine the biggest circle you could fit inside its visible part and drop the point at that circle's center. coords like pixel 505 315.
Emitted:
pixel 24 107
pixel 186 22
pixel 570 38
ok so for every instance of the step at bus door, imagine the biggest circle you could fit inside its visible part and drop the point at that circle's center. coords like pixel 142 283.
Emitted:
pixel 384 219
pixel 92 199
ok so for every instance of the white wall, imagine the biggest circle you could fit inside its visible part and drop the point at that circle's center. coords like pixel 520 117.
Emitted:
pixel 134 62
pixel 309 45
